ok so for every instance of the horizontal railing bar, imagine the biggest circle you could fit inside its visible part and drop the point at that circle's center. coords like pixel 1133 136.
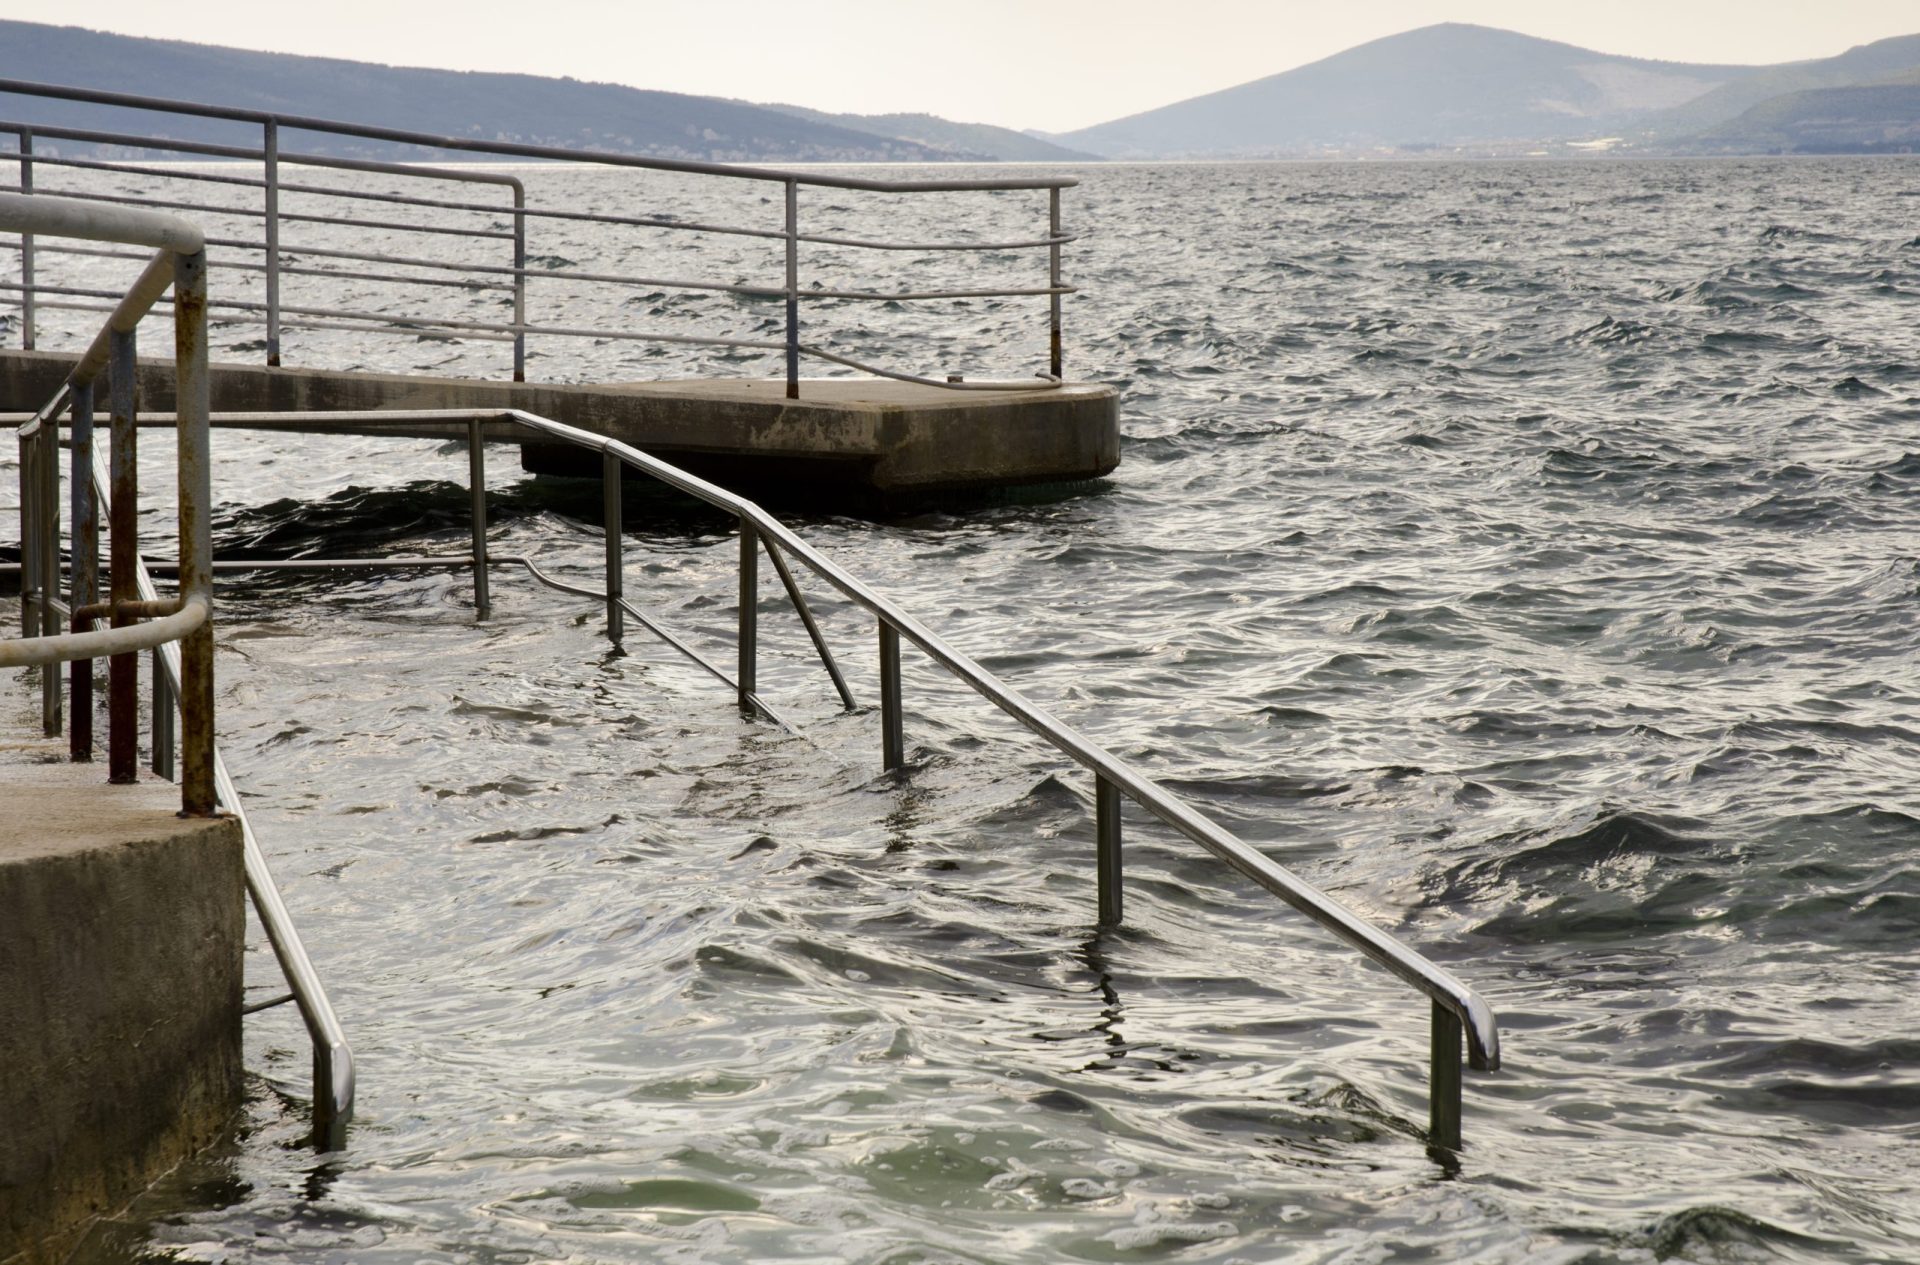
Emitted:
pixel 116 199
pixel 1062 240
pixel 67 217
pixel 513 149
pixel 249 182
pixel 254 1008
pixel 285 268
pixel 257 213
pixel 286 157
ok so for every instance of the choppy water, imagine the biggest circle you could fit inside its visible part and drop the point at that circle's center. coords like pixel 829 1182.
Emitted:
pixel 1524 552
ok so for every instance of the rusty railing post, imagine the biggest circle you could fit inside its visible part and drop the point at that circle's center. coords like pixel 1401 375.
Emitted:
pixel 1053 278
pixel 123 541
pixel 85 584
pixel 197 789
pixel 748 680
pixel 50 623
pixel 270 155
pixel 893 747
pixel 26 245
pixel 477 496
pixel 793 289
pixel 611 469
pixel 1106 817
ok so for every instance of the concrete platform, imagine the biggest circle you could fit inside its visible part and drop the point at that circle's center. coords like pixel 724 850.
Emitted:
pixel 121 940
pixel 893 441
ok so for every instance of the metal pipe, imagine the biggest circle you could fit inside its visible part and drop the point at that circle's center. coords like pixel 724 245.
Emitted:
pixel 520 285
pixel 749 639
pixel 477 495
pixel 1053 279
pixel 611 473
pixel 123 544
pixel 198 795
pixel 85 550
pixel 271 205
pixel 1443 1090
pixel 893 750
pixel 125 640
pixel 1106 815
pixel 793 291
pixel 26 244
pixel 806 617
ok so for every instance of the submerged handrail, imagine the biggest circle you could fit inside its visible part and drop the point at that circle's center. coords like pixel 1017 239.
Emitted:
pixel 789 234
pixel 1458 1012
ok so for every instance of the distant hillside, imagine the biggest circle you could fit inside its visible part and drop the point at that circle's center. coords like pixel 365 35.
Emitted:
pixel 523 108
pixel 1875 118
pixel 1863 64
pixel 1441 85
pixel 961 140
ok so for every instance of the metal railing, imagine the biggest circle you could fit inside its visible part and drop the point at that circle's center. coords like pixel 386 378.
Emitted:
pixel 1457 1013
pixel 179 631
pixel 506 277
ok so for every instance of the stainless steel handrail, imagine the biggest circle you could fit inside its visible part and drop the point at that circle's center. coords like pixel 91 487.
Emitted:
pixel 181 635
pixel 1457 1012
pixel 790 233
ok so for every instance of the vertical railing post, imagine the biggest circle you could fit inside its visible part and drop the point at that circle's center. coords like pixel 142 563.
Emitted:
pixel 519 282
pixel 271 153
pixel 26 245
pixel 477 496
pixel 749 669
pixel 1053 279
pixel 123 541
pixel 85 585
pixel 47 499
pixel 1444 1087
pixel 893 754
pixel 194 477
pixel 612 470
pixel 29 542
pixel 163 731
pixel 793 289
pixel 1106 819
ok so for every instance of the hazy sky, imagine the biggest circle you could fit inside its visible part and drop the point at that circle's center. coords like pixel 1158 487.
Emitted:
pixel 1052 64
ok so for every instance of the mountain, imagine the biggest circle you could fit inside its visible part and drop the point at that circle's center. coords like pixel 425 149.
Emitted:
pixel 1857 118
pixel 1860 65
pixel 962 140
pixel 1445 85
pixel 523 108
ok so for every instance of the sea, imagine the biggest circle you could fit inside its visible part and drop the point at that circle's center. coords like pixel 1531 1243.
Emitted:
pixel 1524 552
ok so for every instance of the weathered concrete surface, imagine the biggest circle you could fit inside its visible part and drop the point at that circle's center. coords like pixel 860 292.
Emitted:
pixel 121 935
pixel 893 439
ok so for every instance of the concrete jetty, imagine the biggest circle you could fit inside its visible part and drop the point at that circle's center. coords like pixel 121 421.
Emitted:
pixel 872 438
pixel 121 937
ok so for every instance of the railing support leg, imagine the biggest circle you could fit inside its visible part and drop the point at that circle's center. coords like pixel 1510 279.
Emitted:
pixel 1106 817
pixel 29 543
pixel 748 674
pixel 198 757
pixel 85 588
pixel 477 493
pixel 1054 360
pixel 893 755
pixel 611 472
pixel 123 543
pixel 26 245
pixel 793 289
pixel 813 628
pixel 519 283
pixel 1443 1129
pixel 271 156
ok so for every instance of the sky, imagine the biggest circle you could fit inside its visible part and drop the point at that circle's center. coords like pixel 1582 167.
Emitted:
pixel 1054 66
